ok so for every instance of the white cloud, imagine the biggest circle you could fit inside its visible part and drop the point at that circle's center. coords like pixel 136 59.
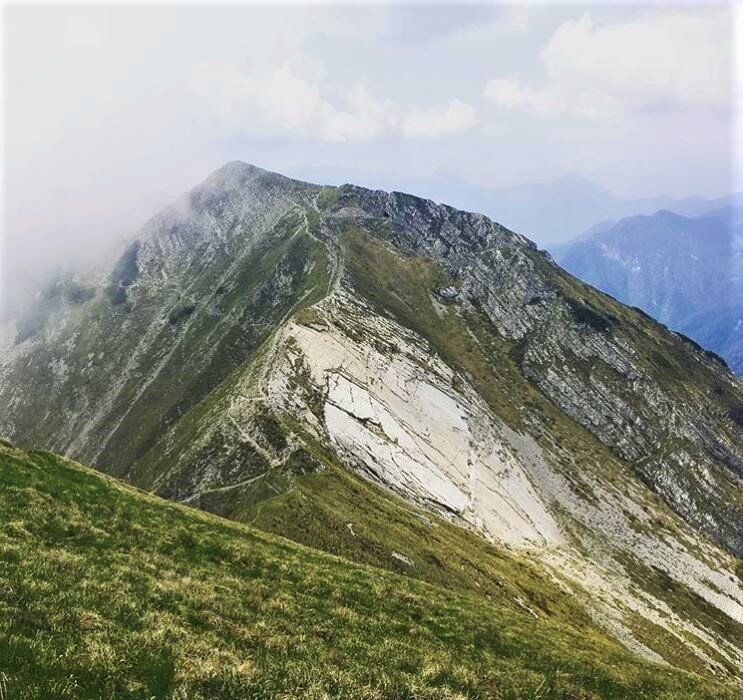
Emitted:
pixel 551 101
pixel 516 17
pixel 510 93
pixel 737 102
pixel 440 120
pixel 284 98
pixel 291 99
pixel 363 118
pixel 604 72
pixel 656 57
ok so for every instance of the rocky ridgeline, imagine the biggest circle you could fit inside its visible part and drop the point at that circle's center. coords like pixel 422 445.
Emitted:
pixel 263 329
pixel 636 394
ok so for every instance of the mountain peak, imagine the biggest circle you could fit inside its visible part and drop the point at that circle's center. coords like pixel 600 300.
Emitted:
pixel 237 173
pixel 280 350
pixel 668 215
pixel 236 166
pixel 233 171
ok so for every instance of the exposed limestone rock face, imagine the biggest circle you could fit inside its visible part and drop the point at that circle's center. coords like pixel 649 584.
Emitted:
pixel 391 409
pixel 582 357
pixel 264 330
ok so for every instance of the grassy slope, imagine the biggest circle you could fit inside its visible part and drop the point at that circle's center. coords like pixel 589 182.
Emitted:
pixel 236 305
pixel 108 592
pixel 316 509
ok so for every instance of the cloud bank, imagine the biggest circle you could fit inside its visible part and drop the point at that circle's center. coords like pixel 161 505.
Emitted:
pixel 663 59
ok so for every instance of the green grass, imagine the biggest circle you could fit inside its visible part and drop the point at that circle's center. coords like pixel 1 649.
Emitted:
pixel 107 592
pixel 315 506
pixel 198 326
pixel 316 509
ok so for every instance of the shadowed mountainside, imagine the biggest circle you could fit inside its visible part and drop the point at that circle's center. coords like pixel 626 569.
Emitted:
pixel 685 272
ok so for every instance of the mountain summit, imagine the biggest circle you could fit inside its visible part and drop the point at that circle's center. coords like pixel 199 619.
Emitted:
pixel 409 386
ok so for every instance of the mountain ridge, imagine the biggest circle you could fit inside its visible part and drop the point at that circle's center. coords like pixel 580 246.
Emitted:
pixel 267 337
pixel 554 212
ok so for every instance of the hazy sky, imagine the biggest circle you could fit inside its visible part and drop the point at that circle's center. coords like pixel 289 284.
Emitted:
pixel 111 110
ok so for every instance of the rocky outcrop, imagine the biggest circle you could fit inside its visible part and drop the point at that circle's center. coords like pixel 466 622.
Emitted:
pixel 621 377
pixel 394 410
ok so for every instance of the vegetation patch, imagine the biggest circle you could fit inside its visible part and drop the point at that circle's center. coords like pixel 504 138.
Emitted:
pixel 301 462
pixel 124 274
pixel 74 293
pixel 109 592
pixel 309 316
pixel 327 198
pixel 271 430
pixel 585 314
pixel 736 415
pixel 180 313
pixel 696 346
pixel 50 301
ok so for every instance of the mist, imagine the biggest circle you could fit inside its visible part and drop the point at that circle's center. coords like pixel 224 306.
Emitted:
pixel 110 112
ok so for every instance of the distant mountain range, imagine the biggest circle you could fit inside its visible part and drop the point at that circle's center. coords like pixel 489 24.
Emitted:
pixel 554 213
pixel 685 272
